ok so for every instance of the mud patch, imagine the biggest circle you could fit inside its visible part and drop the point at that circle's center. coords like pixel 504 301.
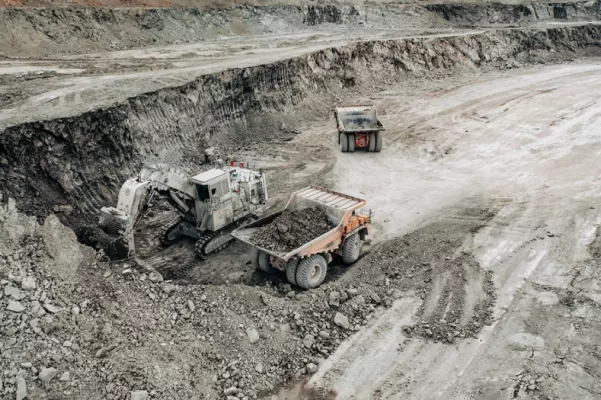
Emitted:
pixel 293 229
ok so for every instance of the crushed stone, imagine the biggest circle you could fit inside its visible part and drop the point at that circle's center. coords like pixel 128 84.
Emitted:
pixel 292 229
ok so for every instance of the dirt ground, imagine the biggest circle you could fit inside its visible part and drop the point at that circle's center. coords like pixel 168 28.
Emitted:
pixel 524 144
pixel 481 280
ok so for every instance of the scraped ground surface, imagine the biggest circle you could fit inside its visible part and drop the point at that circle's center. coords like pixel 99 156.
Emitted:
pixel 529 144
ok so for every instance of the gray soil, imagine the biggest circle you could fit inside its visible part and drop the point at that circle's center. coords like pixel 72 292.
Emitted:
pixel 431 262
pixel 292 229
pixel 482 279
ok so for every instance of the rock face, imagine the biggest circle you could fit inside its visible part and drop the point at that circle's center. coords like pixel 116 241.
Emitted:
pixel 139 395
pixel 28 283
pixel 63 247
pixel 253 335
pixel 13 292
pixel 47 374
pixel 308 341
pixel 342 321
pixel 13 225
pixel 334 299
pixel 259 368
pixel 15 306
pixel 21 389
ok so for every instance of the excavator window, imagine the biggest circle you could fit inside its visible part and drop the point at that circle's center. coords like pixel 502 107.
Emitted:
pixel 202 191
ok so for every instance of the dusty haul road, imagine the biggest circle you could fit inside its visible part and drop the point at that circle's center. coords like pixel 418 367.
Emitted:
pixel 528 143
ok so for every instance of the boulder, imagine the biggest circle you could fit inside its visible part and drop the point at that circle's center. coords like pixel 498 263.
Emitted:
pixel 67 253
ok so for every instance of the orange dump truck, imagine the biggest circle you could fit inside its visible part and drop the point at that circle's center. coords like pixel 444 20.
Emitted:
pixel 307 265
pixel 358 128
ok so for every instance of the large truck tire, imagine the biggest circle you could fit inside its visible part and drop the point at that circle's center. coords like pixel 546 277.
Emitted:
pixel 311 272
pixel 291 268
pixel 343 142
pixel 378 142
pixel 372 142
pixel 263 262
pixel 254 258
pixel 351 249
pixel 350 138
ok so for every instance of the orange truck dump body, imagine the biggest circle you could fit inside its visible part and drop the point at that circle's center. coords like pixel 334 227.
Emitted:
pixel 342 210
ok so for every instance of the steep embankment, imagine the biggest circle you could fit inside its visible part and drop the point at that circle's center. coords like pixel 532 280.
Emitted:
pixel 83 160
pixel 43 32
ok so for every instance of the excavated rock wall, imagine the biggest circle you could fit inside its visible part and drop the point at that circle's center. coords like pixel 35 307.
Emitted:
pixel 470 14
pixel 82 161
pixel 49 31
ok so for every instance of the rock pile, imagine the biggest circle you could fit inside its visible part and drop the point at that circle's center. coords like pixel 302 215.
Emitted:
pixel 113 331
pixel 292 229
pixel 77 327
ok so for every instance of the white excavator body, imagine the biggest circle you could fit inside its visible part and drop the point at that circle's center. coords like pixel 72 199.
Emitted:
pixel 211 204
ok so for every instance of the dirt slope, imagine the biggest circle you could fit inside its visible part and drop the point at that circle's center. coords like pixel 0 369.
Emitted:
pixel 203 3
pixel 46 32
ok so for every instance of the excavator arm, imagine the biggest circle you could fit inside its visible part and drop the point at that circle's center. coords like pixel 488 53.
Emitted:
pixel 121 220
pixel 136 194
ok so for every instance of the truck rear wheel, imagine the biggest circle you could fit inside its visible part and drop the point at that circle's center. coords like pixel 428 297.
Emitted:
pixel 311 272
pixel 351 249
pixel 343 142
pixel 372 142
pixel 260 260
pixel 291 267
pixel 378 142
pixel 350 137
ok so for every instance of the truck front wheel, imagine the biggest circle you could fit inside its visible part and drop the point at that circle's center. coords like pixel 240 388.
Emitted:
pixel 311 272
pixel 351 249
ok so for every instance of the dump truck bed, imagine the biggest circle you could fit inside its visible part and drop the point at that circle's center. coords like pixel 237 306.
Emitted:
pixel 358 119
pixel 338 208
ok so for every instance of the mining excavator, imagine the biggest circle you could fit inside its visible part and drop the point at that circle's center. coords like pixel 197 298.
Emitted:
pixel 211 204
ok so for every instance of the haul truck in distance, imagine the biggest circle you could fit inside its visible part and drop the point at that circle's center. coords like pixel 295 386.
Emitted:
pixel 306 266
pixel 358 128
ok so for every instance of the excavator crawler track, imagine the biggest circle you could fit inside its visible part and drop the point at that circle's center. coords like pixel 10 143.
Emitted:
pixel 164 231
pixel 201 245
pixel 223 236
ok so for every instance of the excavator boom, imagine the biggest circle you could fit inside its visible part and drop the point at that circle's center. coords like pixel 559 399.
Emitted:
pixel 133 198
